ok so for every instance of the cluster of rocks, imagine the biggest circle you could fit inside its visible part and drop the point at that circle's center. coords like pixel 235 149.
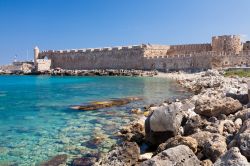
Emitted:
pixel 22 69
pixel 210 128
pixel 64 72
pixel 106 72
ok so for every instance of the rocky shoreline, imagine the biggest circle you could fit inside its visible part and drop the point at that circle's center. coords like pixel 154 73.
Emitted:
pixel 64 72
pixel 212 127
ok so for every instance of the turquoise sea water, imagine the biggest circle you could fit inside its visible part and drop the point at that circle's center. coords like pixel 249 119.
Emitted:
pixel 36 122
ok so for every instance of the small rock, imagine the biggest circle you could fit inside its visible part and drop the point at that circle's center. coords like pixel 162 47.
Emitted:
pixel 229 127
pixel 180 155
pixel 215 147
pixel 243 139
pixel 207 163
pixel 134 132
pixel 164 123
pixel 193 125
pixel 136 111
pixel 243 114
pixel 238 123
pixel 212 145
pixel 178 140
pixel 126 154
pixel 87 161
pixel 232 157
pixel 214 106
pixel 145 156
pixel 55 161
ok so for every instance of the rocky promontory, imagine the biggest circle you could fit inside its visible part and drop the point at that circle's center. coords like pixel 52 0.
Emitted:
pixel 212 127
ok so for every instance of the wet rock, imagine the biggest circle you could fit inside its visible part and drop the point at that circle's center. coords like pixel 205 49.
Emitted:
pixel 87 161
pixel 126 154
pixel 180 155
pixel 178 140
pixel 55 161
pixel 136 111
pixel 94 142
pixel 232 157
pixel 164 123
pixel 147 113
pixel 104 104
pixel 215 106
pixel 150 110
pixel 134 132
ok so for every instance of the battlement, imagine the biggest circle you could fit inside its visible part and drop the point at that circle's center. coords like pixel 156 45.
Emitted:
pixel 225 37
pixel 88 50
pixel 223 50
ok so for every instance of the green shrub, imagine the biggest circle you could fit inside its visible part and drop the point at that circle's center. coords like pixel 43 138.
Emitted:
pixel 239 72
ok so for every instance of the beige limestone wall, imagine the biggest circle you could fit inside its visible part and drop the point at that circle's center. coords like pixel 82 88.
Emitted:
pixel 224 51
pixel 106 58
pixel 187 49
pixel 178 62
pixel 155 50
pixel 43 64
pixel 224 60
pixel 246 46
pixel 227 44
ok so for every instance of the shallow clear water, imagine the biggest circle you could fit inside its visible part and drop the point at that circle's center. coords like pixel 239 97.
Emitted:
pixel 36 122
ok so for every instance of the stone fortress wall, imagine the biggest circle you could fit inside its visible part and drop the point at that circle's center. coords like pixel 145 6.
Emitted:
pixel 224 51
pixel 98 58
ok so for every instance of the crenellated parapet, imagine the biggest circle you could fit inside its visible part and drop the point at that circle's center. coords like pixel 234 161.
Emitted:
pixel 49 53
pixel 221 52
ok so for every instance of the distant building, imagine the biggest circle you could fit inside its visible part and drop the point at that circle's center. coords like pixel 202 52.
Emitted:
pixel 223 51
pixel 41 64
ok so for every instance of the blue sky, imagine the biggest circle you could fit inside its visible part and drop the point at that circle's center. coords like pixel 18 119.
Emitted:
pixel 68 24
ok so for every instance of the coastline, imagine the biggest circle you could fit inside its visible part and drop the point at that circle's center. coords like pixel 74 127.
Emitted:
pixel 210 127
pixel 64 72
pixel 207 128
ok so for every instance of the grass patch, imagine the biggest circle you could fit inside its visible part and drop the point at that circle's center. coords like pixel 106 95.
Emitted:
pixel 239 72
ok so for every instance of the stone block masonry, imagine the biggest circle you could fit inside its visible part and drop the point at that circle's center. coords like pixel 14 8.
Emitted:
pixel 224 51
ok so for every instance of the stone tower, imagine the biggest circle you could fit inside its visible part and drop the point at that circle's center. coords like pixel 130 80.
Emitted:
pixel 227 43
pixel 36 53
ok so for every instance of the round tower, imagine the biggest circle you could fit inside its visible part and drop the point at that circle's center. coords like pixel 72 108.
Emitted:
pixel 36 54
pixel 227 43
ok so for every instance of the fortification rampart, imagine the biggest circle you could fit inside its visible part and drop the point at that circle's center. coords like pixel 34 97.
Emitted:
pixel 224 51
pixel 97 58
pixel 187 49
